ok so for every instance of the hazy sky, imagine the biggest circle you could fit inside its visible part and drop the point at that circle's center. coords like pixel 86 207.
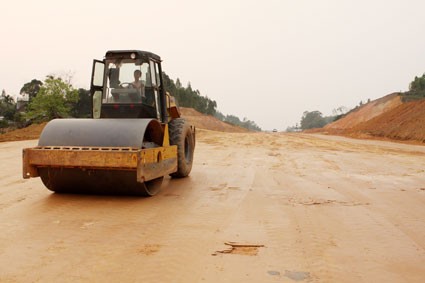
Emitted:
pixel 267 60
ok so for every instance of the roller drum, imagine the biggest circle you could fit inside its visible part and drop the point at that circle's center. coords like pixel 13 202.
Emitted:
pixel 95 132
pixel 99 133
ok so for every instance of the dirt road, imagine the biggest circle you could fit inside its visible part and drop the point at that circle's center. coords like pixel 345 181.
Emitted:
pixel 326 209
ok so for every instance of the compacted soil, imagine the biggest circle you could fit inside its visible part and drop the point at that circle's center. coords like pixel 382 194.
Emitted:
pixel 257 207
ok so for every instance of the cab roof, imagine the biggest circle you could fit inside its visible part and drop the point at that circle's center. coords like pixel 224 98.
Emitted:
pixel 126 54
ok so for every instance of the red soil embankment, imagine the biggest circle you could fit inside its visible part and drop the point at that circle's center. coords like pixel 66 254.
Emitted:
pixel 208 122
pixel 31 132
pixel 404 122
pixel 387 117
pixel 367 112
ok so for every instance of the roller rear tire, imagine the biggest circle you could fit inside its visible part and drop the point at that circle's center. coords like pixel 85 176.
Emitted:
pixel 181 135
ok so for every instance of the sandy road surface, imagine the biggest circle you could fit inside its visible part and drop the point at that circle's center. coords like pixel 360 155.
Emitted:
pixel 326 209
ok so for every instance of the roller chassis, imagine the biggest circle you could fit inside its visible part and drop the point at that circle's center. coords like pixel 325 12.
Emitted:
pixel 149 163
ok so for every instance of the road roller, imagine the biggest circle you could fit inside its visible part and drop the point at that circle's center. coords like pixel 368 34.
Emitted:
pixel 133 139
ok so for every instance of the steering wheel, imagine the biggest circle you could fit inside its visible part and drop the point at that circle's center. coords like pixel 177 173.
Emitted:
pixel 126 85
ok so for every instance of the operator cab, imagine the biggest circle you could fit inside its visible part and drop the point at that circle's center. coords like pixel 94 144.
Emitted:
pixel 128 84
pixel 125 82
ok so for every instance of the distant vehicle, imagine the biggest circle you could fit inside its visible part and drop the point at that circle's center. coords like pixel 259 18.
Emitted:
pixel 274 131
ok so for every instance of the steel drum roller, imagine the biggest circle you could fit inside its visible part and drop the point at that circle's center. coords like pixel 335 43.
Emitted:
pixel 130 133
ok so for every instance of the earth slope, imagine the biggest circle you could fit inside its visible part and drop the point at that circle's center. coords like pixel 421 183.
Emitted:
pixel 386 117
pixel 404 122
pixel 367 112
pixel 208 122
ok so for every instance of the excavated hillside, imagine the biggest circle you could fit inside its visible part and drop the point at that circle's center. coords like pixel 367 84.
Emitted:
pixel 195 118
pixel 367 112
pixel 404 122
pixel 386 117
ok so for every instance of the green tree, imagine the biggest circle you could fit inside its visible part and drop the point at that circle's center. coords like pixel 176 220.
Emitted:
pixel 55 99
pixel 247 124
pixel 178 83
pixel 219 115
pixel 31 88
pixel 211 107
pixel 232 119
pixel 313 119
pixel 7 108
pixel 416 89
pixel 82 109
pixel 250 125
pixel 188 97
pixel 7 99
pixel 418 84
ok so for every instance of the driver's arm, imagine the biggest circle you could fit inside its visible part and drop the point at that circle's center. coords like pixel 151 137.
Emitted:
pixel 142 90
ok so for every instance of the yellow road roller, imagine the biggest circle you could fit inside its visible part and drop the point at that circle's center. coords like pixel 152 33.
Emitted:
pixel 135 137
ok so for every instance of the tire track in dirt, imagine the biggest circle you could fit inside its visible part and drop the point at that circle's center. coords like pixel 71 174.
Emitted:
pixel 370 179
pixel 279 221
pixel 308 248
pixel 374 229
pixel 310 239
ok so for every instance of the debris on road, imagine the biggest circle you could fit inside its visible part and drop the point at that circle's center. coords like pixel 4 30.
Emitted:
pixel 238 248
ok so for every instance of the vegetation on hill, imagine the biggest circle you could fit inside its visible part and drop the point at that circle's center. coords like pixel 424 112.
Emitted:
pixel 187 97
pixel 7 109
pixel 233 120
pixel 416 89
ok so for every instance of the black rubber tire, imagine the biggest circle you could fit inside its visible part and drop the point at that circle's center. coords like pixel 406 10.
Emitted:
pixel 181 135
pixel 99 182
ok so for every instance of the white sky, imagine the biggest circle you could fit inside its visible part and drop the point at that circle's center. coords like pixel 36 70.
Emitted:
pixel 267 60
